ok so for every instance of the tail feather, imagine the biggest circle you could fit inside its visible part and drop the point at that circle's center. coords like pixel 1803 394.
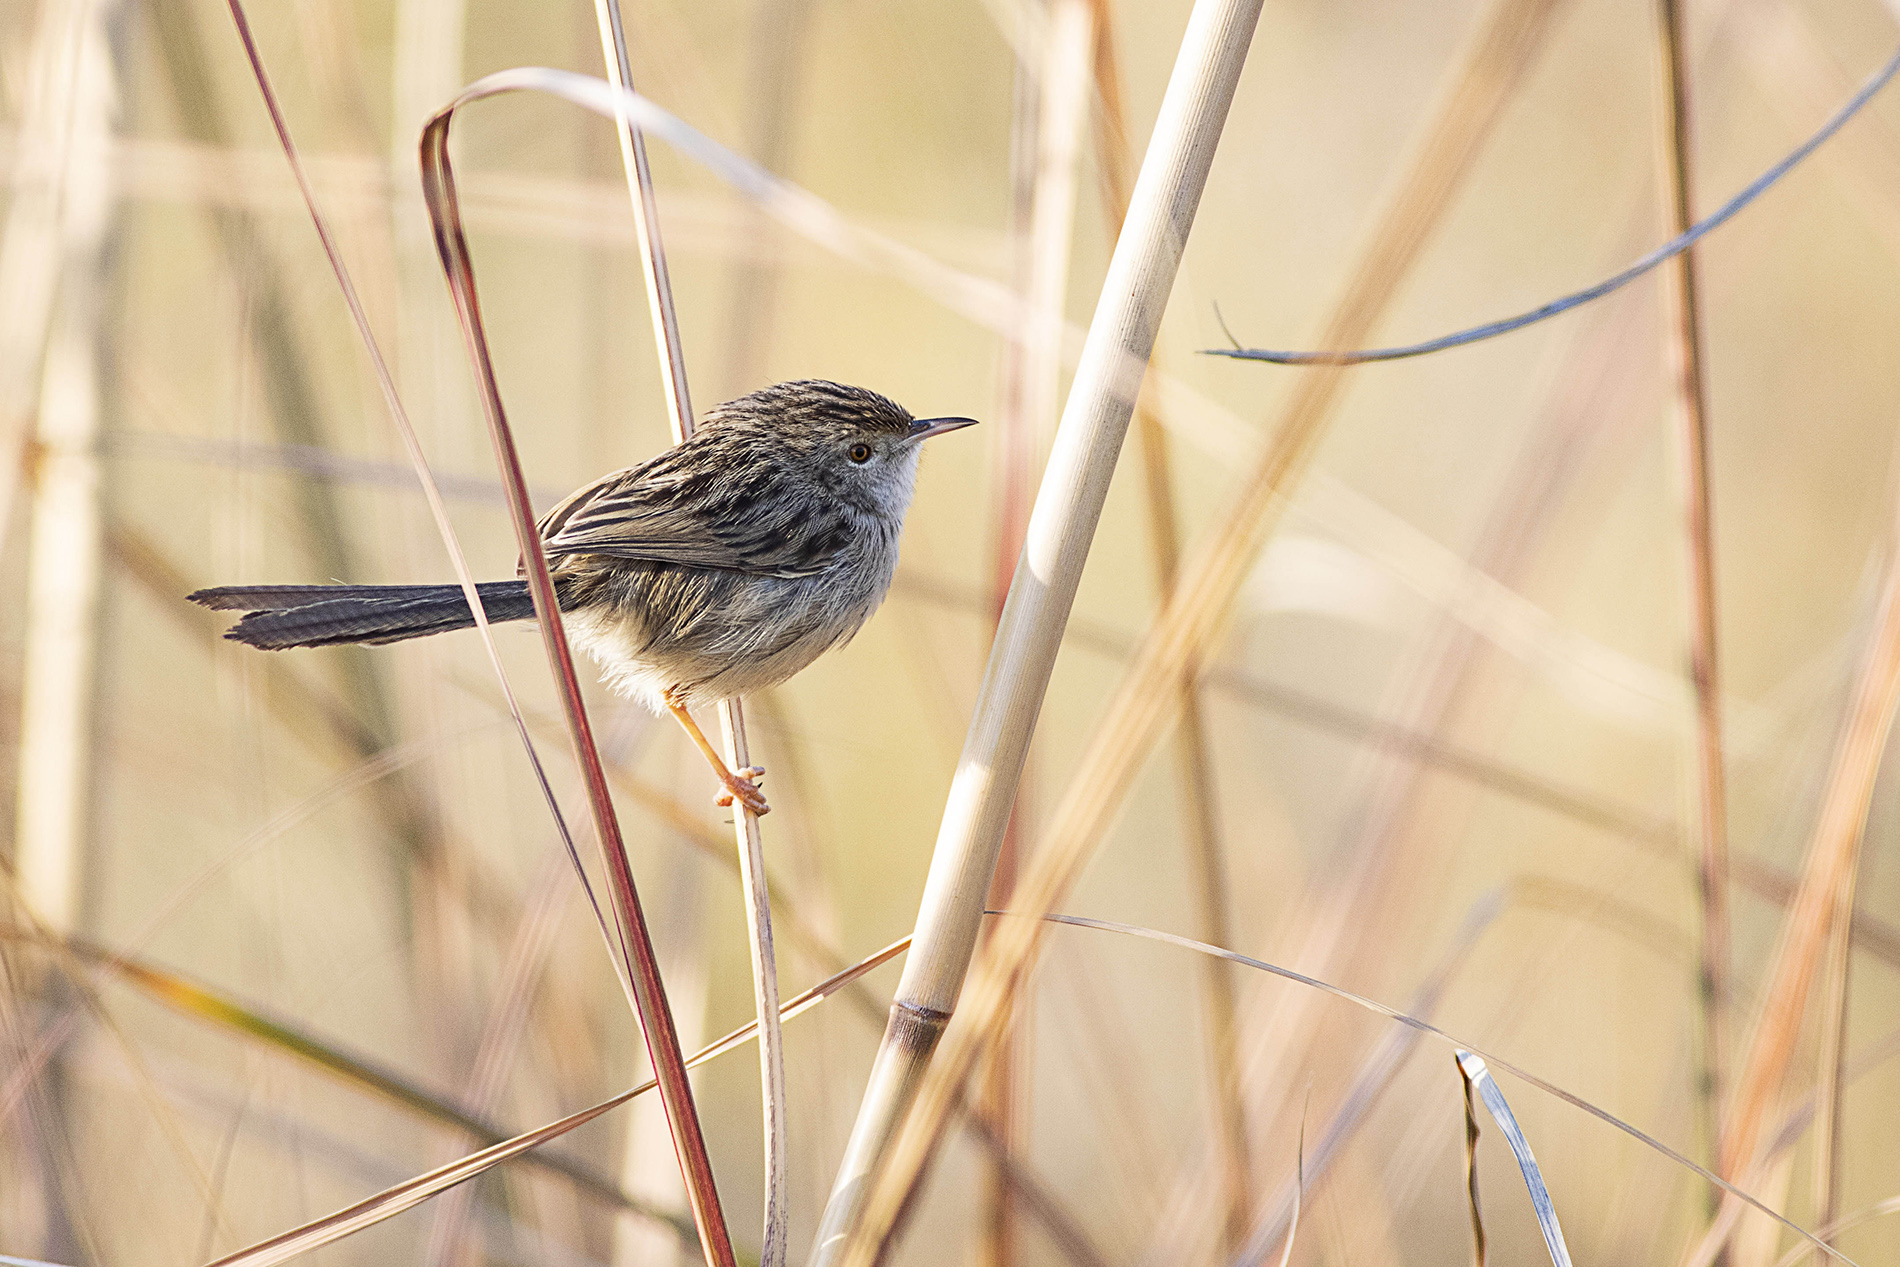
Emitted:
pixel 277 597
pixel 282 616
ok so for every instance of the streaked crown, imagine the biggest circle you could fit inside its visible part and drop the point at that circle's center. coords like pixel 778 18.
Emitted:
pixel 815 403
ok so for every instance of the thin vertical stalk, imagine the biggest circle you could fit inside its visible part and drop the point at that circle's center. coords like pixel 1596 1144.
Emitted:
pixel 646 227
pixel 855 1229
pixel 1692 447
pixel 649 992
pixel 1194 764
pixel 1139 715
pixel 425 68
pixel 758 923
pixel 672 358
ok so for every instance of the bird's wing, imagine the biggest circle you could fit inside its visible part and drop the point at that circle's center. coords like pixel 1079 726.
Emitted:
pixel 674 510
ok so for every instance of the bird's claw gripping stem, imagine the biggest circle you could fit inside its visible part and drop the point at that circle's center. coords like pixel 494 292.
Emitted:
pixel 744 784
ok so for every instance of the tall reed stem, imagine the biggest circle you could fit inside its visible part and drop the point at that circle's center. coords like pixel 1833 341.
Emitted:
pixel 1094 423
pixel 1143 707
pixel 1692 447
pixel 672 356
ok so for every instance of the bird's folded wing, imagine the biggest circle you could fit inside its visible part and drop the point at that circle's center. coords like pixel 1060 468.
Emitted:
pixel 742 523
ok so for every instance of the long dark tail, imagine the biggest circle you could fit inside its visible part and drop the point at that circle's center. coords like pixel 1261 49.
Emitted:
pixel 281 616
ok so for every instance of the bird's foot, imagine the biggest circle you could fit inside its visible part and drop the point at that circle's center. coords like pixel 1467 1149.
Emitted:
pixel 743 784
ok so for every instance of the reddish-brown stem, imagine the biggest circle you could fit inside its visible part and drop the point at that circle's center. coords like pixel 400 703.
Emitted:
pixel 642 966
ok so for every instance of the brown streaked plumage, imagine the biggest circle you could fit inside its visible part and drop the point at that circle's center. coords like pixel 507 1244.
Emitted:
pixel 717 568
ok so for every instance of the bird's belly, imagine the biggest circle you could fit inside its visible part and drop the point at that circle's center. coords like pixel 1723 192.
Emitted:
pixel 722 633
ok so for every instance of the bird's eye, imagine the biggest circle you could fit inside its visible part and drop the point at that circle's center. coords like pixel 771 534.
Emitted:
pixel 860 453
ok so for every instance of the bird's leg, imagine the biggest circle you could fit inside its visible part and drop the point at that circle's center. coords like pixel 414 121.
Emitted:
pixel 742 784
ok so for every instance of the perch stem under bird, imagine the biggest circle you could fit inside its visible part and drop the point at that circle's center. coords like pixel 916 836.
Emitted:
pixel 718 568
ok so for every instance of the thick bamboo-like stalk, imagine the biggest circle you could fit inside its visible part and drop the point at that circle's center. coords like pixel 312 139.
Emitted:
pixel 672 357
pixel 1094 423
pixel 1692 447
pixel 1138 716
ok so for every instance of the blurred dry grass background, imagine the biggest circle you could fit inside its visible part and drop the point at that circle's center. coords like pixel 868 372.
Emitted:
pixel 1456 681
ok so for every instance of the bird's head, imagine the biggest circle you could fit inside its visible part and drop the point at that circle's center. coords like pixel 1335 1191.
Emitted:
pixel 855 443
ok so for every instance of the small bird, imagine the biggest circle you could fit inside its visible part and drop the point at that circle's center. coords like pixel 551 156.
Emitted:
pixel 720 567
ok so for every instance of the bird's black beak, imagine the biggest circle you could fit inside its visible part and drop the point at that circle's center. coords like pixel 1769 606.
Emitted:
pixel 924 428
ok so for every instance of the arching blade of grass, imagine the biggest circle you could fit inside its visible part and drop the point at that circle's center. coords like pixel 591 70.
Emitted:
pixel 1472 1069
pixel 1370 1083
pixel 1427 1028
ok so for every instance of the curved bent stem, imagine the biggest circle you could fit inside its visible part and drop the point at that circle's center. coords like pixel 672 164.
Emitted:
pixel 640 962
